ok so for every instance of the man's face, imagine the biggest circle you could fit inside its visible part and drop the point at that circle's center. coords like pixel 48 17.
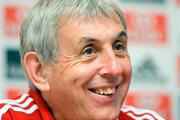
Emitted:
pixel 92 75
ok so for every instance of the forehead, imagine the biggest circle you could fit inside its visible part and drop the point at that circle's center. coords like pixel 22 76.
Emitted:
pixel 92 25
pixel 82 18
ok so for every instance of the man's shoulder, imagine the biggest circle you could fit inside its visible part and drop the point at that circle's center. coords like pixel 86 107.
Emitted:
pixel 139 114
pixel 18 108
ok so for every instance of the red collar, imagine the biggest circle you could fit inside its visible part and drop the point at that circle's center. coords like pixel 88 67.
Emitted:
pixel 124 116
pixel 46 115
pixel 42 107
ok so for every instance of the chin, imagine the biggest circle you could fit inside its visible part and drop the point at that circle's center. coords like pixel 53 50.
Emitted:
pixel 107 114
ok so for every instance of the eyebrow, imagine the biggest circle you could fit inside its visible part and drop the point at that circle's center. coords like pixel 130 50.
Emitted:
pixel 90 39
pixel 119 34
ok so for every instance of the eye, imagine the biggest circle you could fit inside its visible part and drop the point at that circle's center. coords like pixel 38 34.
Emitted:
pixel 118 46
pixel 88 51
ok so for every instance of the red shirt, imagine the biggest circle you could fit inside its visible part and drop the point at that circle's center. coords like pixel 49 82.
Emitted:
pixel 32 107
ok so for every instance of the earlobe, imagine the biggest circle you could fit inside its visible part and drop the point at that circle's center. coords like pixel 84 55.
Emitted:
pixel 35 71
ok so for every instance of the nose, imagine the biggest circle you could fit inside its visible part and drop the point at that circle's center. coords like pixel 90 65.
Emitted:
pixel 111 65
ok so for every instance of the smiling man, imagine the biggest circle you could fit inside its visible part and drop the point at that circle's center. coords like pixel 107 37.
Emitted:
pixel 75 55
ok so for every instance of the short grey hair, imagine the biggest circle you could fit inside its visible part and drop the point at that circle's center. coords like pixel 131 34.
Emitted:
pixel 39 32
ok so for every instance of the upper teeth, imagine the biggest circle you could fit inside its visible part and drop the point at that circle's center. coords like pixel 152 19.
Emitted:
pixel 106 91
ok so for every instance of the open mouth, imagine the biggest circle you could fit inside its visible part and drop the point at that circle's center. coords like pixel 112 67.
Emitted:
pixel 104 91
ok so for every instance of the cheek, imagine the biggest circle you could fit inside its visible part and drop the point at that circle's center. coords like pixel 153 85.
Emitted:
pixel 127 68
pixel 128 73
pixel 69 84
pixel 83 73
pixel 74 76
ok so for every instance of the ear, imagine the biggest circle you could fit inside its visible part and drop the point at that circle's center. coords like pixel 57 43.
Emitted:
pixel 35 71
